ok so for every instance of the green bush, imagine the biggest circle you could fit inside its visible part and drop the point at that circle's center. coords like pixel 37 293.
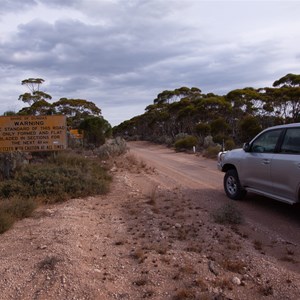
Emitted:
pixel 56 179
pixel 18 208
pixel 10 188
pixel 229 144
pixel 60 177
pixel 186 143
pixel 212 151
pixel 112 148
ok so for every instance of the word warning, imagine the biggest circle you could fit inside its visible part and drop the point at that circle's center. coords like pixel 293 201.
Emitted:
pixel 33 133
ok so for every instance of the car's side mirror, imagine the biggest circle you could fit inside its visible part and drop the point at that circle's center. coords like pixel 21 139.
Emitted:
pixel 246 147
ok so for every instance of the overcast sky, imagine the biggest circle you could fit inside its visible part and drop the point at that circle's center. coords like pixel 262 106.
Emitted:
pixel 120 54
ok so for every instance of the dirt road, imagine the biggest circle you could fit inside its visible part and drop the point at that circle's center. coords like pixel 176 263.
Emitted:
pixel 201 174
pixel 153 237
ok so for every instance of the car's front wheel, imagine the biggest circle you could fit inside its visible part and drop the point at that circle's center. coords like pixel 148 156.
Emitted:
pixel 232 185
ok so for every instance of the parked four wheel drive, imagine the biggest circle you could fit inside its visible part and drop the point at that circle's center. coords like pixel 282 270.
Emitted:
pixel 269 165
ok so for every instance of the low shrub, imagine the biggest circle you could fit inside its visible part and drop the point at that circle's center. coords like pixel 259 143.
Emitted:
pixel 186 143
pixel 112 148
pixel 61 179
pixel 18 208
pixel 52 180
pixel 48 263
pixel 229 144
pixel 15 209
pixel 55 179
pixel 6 221
pixel 212 151
pixel 208 141
pixel 10 188
pixel 180 136
pixel 227 214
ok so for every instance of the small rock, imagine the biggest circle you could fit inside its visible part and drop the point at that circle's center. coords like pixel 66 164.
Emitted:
pixel 212 267
pixel 63 280
pixel 177 225
pixel 236 281
pixel 245 277
pixel 216 290
pixel 114 169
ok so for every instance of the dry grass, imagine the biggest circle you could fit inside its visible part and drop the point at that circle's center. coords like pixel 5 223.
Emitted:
pixel 288 259
pixel 139 255
pixel 227 214
pixel 184 293
pixel 141 281
pixel 257 245
pixel 235 266
pixel 266 290
pixel 49 263
pixel 153 196
pixel 161 248
pixel 223 283
pixel 290 251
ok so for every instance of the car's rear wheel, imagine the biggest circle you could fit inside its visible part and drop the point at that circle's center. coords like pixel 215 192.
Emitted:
pixel 232 185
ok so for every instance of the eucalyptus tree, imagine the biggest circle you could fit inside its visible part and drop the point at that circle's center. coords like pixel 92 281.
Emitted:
pixel 76 110
pixel 9 113
pixel 289 80
pixel 246 101
pixel 35 95
pixel 168 96
pixel 283 99
pixel 41 107
pixel 289 89
pixel 248 127
pixel 96 130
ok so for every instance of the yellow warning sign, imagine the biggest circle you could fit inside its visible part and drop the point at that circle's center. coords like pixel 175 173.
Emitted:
pixel 33 133
pixel 75 134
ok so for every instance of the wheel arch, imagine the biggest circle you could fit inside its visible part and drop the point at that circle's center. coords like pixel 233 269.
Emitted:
pixel 228 167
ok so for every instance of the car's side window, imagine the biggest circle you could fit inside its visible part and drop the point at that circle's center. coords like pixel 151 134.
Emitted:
pixel 266 142
pixel 291 142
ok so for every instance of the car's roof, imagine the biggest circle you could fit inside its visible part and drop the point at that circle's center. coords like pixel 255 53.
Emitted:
pixel 285 126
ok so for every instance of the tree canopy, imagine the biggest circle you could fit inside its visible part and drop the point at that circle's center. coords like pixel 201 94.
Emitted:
pixel 81 114
pixel 235 117
pixel 35 95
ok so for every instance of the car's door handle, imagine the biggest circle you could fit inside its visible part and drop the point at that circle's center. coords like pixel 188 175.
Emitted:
pixel 266 161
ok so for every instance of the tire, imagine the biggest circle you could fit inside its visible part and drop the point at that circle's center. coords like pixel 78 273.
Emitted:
pixel 232 186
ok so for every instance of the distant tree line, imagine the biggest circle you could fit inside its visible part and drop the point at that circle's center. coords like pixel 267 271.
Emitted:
pixel 81 114
pixel 231 119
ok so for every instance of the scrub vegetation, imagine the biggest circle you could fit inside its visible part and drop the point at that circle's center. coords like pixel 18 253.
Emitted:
pixel 54 179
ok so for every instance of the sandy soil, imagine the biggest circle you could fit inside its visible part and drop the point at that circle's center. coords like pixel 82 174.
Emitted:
pixel 151 238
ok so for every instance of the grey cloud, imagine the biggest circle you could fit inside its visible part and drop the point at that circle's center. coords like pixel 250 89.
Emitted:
pixel 129 51
pixel 85 47
pixel 72 85
pixel 59 3
pixel 16 5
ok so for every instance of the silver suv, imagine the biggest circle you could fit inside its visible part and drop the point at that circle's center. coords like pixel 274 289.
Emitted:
pixel 269 165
